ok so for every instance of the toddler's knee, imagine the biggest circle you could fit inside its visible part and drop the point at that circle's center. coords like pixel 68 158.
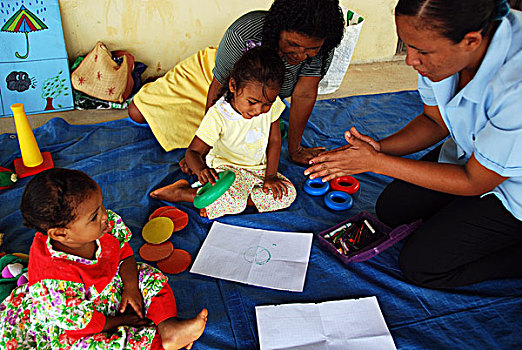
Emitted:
pixel 287 198
pixel 291 194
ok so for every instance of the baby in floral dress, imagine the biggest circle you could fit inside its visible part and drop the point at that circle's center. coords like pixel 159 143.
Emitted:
pixel 85 289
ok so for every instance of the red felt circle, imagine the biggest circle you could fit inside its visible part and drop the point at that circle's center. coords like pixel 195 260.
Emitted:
pixel 155 252
pixel 178 217
pixel 177 262
pixel 348 184
pixel 158 211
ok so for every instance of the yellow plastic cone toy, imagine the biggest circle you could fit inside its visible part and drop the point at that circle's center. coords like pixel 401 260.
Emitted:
pixel 32 161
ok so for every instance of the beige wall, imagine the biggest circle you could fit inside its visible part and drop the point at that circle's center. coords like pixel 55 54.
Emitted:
pixel 378 39
pixel 160 33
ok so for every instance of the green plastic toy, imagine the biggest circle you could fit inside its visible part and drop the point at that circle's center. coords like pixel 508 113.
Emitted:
pixel 8 284
pixel 7 178
pixel 208 194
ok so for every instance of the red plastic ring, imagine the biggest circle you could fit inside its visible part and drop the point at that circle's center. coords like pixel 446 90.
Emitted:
pixel 346 184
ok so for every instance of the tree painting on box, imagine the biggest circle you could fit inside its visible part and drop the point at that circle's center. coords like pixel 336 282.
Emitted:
pixel 33 61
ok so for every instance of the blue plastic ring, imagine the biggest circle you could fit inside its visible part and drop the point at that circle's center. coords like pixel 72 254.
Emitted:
pixel 338 200
pixel 316 187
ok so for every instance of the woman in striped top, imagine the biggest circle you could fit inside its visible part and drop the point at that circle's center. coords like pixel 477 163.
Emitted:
pixel 304 32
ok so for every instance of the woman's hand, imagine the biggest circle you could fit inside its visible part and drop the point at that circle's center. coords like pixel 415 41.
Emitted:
pixel 208 175
pixel 353 133
pixel 277 185
pixel 303 155
pixel 132 296
pixel 356 157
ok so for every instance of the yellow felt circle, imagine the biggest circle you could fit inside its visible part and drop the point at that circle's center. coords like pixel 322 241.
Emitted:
pixel 158 230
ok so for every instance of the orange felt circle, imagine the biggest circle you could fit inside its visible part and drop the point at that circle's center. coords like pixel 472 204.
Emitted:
pixel 178 217
pixel 155 252
pixel 177 262
pixel 157 230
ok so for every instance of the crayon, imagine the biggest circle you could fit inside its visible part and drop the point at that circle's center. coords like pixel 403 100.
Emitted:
pixel 345 247
pixel 358 234
pixel 369 226
pixel 331 234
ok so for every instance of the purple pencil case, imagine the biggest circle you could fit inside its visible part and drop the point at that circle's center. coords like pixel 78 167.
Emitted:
pixel 369 243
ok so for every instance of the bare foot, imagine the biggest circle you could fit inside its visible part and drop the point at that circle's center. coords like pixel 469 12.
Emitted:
pixel 179 191
pixel 177 334
pixel 184 167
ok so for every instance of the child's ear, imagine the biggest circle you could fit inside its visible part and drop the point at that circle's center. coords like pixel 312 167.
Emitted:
pixel 232 85
pixel 57 233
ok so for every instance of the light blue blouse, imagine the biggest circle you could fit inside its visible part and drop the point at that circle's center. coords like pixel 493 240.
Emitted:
pixel 485 117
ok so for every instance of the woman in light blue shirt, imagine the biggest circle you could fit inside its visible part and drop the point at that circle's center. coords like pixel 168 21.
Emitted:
pixel 469 191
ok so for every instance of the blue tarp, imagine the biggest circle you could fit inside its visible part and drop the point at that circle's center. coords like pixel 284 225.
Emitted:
pixel 128 163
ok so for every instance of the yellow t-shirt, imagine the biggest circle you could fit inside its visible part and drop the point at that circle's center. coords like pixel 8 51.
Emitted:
pixel 235 140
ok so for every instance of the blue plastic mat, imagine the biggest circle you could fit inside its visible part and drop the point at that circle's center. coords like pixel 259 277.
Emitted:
pixel 128 163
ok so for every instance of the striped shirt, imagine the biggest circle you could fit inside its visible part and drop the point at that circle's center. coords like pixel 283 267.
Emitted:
pixel 245 33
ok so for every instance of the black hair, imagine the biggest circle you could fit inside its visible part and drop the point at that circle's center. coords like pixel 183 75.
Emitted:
pixel 453 19
pixel 51 197
pixel 260 64
pixel 321 19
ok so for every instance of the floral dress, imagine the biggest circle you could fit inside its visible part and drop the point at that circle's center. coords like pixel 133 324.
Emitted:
pixel 67 298
pixel 240 145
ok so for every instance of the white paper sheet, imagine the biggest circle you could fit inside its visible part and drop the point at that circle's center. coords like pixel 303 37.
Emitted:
pixel 271 259
pixel 355 324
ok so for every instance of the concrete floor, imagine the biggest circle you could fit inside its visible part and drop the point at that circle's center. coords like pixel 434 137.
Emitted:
pixel 360 79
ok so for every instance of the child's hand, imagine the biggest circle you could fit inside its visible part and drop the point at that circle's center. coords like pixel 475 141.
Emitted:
pixel 132 297
pixel 277 185
pixel 208 175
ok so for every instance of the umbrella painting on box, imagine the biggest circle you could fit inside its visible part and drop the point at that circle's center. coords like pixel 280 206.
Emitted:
pixel 33 66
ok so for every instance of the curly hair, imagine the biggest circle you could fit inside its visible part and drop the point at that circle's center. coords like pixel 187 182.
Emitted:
pixel 51 197
pixel 454 19
pixel 260 64
pixel 321 19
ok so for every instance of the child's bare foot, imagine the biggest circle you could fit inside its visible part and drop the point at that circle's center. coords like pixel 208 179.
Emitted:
pixel 179 191
pixel 177 334
pixel 203 213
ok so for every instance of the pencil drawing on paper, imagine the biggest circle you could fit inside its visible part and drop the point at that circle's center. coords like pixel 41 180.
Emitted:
pixel 257 255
